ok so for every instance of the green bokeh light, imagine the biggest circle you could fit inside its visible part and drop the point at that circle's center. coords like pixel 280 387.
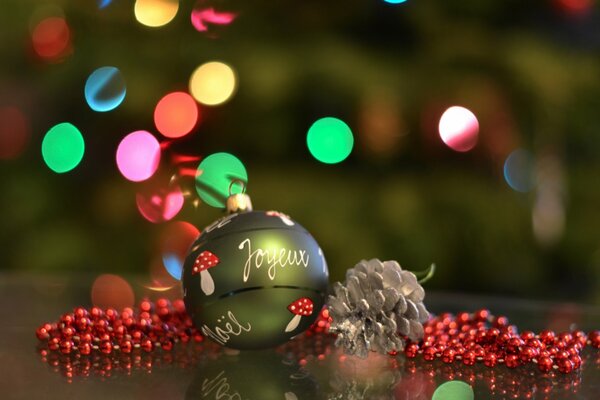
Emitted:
pixel 453 390
pixel 220 175
pixel 330 140
pixel 63 147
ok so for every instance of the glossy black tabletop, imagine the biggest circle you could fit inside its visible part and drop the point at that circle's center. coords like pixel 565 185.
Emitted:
pixel 305 368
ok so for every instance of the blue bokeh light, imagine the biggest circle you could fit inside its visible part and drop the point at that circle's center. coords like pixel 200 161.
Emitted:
pixel 395 1
pixel 173 265
pixel 103 3
pixel 105 89
pixel 519 170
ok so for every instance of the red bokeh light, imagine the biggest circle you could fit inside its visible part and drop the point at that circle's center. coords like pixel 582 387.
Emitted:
pixel 51 38
pixel 176 114
pixel 14 132
pixel 574 6
pixel 112 291
pixel 177 237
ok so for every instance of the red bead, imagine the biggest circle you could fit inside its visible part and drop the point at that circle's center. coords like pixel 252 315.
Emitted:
pixel 429 353
pixel 86 337
pixel 125 346
pixel 463 317
pixel 528 353
pixel 54 343
pixel 68 332
pixel 565 365
pixel 527 335
pixel 481 315
pixel 536 343
pixel 42 332
pixel 547 337
pixel 147 345
pixel 545 364
pixel 468 357
pixel 565 337
pixel 492 334
pixel 411 350
pixel 594 338
pixel 82 323
pixel 479 351
pixel 85 348
pixel 105 346
pixel 448 355
pixel 111 314
pixel 65 346
pixel 490 359
pixel 96 312
pixel 513 345
pixel 576 360
pixel 67 319
pixel 167 345
pixel 501 321
pixel 580 337
pixel 512 361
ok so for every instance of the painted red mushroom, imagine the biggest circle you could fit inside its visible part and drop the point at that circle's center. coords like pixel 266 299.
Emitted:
pixel 204 261
pixel 301 307
pixel 284 218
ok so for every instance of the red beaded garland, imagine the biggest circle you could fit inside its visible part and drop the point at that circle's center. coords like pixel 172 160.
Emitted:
pixel 492 340
pixel 470 338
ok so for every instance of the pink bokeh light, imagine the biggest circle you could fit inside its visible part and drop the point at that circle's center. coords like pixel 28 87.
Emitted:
pixel 459 128
pixel 202 18
pixel 138 156
pixel 160 204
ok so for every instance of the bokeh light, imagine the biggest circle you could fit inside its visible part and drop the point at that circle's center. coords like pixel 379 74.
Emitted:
pixel 453 390
pixel 330 140
pixel 176 114
pixel 459 128
pixel 160 204
pixel 103 3
pixel 155 13
pixel 205 17
pixel 175 242
pixel 51 38
pixel 138 156
pixel 574 7
pixel 105 89
pixel 395 1
pixel 14 132
pixel 220 175
pixel 112 291
pixel 213 83
pixel 519 170
pixel 63 147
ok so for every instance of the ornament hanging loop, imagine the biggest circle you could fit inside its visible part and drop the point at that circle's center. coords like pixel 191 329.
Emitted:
pixel 239 202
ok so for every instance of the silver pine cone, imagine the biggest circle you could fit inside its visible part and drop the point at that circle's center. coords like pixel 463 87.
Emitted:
pixel 378 306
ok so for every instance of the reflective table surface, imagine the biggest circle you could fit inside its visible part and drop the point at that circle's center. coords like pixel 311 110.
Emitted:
pixel 305 368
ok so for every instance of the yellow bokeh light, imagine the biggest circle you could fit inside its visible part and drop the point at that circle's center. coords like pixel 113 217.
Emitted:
pixel 155 13
pixel 213 83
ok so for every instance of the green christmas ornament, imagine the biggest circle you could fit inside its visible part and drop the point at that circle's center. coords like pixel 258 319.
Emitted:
pixel 254 279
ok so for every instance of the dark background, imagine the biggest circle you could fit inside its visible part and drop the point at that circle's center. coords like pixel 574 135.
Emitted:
pixel 530 71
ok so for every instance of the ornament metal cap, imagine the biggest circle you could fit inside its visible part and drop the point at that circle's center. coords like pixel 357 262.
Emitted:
pixel 239 203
